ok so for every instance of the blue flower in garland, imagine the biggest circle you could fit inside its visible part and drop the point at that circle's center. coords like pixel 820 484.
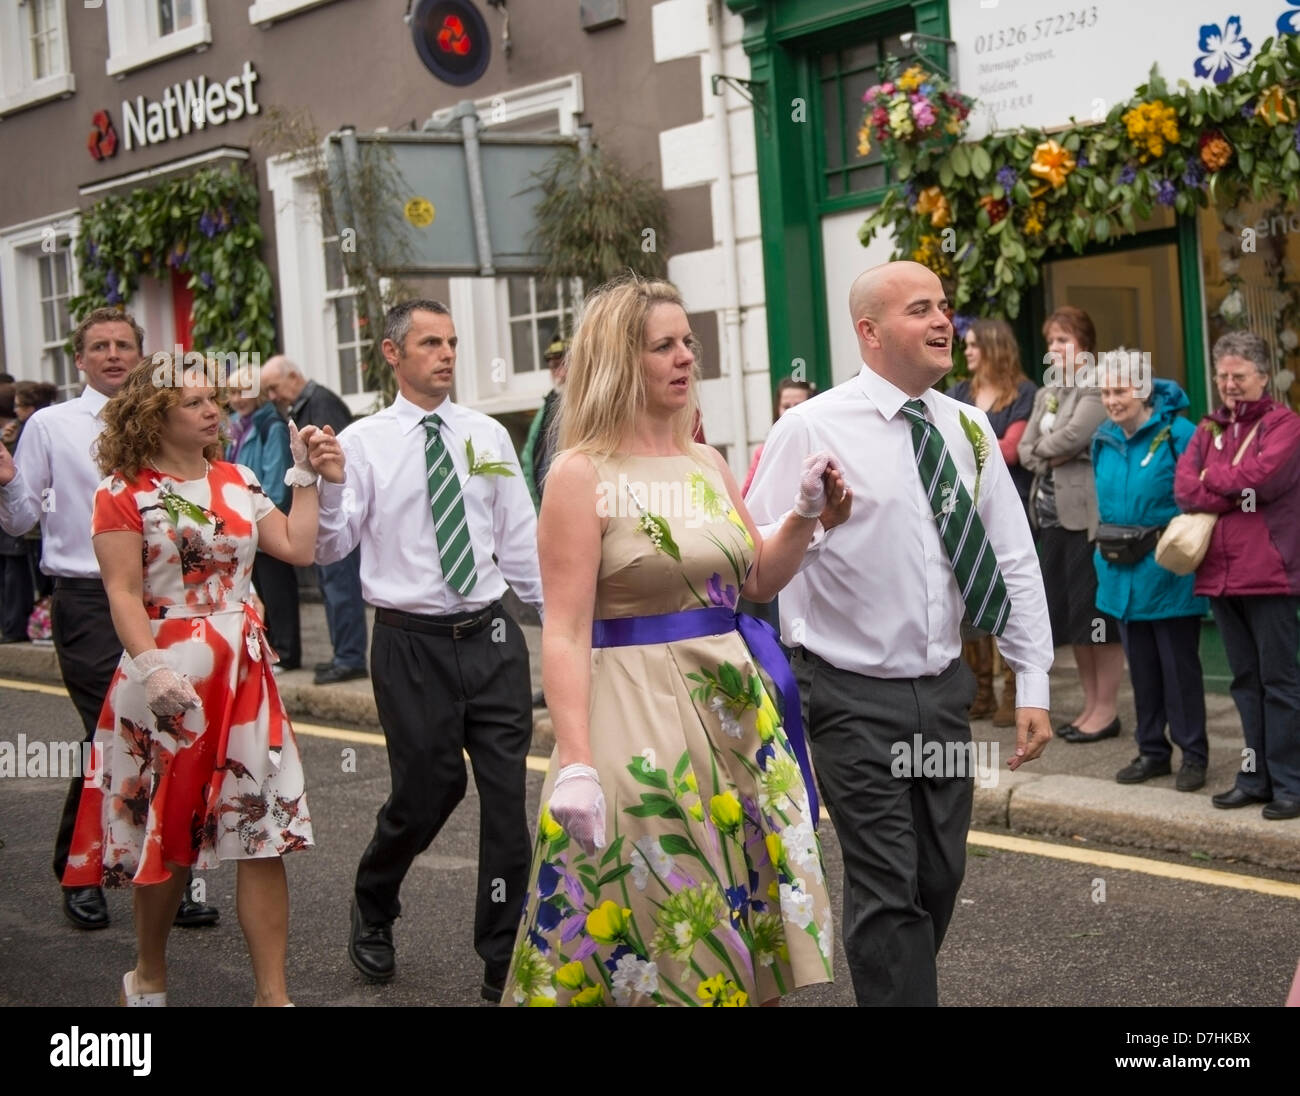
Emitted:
pixel 1127 174
pixel 1007 177
pixel 1289 21
pixel 206 279
pixel 1195 173
pixel 1224 51
pixel 1165 192
pixel 910 193
pixel 1082 161
pixel 208 225
pixel 1248 111
pixel 1297 129
pixel 961 324
pixel 112 284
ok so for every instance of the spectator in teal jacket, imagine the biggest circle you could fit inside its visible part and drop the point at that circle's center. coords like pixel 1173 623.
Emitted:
pixel 1134 455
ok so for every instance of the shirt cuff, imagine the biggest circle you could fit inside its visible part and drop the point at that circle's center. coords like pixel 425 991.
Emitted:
pixel 1033 690
pixel 330 495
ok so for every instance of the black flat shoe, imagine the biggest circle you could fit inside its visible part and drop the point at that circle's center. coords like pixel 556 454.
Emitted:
pixel 192 915
pixel 85 907
pixel 1141 769
pixel 1234 797
pixel 1111 730
pixel 370 947
pixel 1280 809
pixel 1065 730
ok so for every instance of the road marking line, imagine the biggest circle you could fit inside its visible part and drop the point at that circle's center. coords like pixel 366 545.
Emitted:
pixel 1122 862
pixel 1006 842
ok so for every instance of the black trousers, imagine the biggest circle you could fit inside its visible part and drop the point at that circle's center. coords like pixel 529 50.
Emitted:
pixel 438 696
pixel 89 651
pixel 16 595
pixel 1262 640
pixel 1164 664
pixel 903 837
pixel 277 586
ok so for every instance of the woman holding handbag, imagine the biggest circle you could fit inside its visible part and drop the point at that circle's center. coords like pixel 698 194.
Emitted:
pixel 1134 455
pixel 1243 464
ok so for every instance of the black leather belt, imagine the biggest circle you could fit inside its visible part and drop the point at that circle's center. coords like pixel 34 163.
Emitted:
pixel 455 625
pixel 95 584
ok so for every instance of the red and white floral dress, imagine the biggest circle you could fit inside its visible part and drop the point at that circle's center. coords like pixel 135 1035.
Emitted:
pixel 220 782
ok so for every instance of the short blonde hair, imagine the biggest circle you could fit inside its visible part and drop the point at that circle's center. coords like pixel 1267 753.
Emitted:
pixel 604 394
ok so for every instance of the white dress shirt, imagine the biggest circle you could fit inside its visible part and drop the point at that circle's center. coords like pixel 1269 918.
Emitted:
pixel 877 595
pixel 56 482
pixel 384 507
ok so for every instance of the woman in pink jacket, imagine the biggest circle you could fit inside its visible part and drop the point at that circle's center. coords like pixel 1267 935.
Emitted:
pixel 1251 571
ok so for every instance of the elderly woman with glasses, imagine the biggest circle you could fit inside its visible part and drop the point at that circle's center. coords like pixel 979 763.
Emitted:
pixel 1243 463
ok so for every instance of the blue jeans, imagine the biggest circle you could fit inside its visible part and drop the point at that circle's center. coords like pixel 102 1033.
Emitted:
pixel 345 611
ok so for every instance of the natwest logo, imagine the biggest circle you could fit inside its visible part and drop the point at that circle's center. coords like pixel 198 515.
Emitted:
pixel 188 107
pixel 102 142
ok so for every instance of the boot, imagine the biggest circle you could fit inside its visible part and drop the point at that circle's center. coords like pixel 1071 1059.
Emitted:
pixel 1005 716
pixel 979 656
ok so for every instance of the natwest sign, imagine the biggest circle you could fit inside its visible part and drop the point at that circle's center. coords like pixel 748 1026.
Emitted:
pixel 187 107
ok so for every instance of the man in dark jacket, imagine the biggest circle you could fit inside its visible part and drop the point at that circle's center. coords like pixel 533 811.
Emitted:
pixel 1243 463
pixel 539 447
pixel 310 404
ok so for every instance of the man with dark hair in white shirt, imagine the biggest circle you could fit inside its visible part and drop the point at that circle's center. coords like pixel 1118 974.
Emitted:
pixel 875 617
pixel 52 482
pixel 434 496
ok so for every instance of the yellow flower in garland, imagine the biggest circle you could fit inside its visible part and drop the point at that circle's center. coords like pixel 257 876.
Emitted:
pixel 900 119
pixel 930 253
pixel 864 141
pixel 607 923
pixel 932 201
pixel 1149 127
pixel 1275 106
pixel 1034 218
pixel 1053 163
pixel 912 79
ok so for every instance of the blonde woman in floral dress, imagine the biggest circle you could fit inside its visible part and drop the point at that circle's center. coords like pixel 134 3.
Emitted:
pixel 197 762
pixel 677 861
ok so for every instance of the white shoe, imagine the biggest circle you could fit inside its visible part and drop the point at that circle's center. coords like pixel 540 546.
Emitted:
pixel 131 999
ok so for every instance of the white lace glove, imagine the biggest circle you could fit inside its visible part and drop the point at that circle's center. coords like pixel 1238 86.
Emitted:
pixel 578 804
pixel 302 474
pixel 167 692
pixel 811 500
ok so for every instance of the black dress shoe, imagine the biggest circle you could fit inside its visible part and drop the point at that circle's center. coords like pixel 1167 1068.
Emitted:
pixel 1234 797
pixel 1280 809
pixel 85 907
pixel 192 915
pixel 1141 769
pixel 334 674
pixel 1191 777
pixel 370 947
pixel 320 667
pixel 1111 730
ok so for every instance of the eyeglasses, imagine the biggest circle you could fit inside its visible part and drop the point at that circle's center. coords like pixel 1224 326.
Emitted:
pixel 1238 378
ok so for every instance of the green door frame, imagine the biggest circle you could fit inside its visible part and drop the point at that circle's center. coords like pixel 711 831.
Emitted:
pixel 793 259
pixel 1183 235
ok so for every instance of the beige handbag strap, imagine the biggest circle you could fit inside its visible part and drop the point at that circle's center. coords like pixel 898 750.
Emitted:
pixel 1241 449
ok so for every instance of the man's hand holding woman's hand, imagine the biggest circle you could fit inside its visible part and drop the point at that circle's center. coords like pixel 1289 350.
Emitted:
pixel 822 491
pixel 324 453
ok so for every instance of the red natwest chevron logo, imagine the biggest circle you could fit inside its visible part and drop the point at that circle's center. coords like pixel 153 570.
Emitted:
pixel 102 142
pixel 452 38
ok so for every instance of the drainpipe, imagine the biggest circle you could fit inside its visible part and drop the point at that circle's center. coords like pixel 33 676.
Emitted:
pixel 726 232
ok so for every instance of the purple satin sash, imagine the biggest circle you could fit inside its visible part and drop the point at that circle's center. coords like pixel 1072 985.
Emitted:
pixel 759 637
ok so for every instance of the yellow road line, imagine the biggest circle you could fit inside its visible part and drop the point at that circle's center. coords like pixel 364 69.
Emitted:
pixel 983 838
pixel 1121 862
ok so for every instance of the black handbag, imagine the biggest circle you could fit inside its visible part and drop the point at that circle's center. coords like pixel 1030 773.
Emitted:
pixel 1127 543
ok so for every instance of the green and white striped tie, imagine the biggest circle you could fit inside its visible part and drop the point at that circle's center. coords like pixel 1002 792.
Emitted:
pixel 448 508
pixel 962 532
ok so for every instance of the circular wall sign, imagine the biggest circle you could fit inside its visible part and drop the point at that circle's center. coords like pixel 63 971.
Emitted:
pixel 452 40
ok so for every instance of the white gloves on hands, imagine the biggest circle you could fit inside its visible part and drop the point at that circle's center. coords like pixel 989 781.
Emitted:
pixel 811 500
pixel 578 804
pixel 302 474
pixel 167 692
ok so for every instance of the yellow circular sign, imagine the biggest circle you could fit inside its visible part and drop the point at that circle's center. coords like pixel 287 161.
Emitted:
pixel 420 212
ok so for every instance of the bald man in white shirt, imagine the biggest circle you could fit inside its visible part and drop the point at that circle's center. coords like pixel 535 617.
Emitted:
pixel 875 619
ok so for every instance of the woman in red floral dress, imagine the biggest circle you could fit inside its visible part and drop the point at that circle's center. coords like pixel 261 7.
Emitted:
pixel 196 761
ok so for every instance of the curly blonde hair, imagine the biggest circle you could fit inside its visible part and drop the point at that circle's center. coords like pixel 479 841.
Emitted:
pixel 605 390
pixel 134 418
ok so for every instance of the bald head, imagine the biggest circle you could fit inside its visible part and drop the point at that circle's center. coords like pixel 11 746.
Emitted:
pixel 903 331
pixel 282 381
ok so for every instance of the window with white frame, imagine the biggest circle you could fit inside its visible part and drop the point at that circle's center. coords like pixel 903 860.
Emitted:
pixel 57 363
pixel 538 309
pixel 34 61
pixel 351 338
pixel 267 11
pixel 141 32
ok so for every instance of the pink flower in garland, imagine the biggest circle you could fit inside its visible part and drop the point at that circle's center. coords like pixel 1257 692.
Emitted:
pixel 923 112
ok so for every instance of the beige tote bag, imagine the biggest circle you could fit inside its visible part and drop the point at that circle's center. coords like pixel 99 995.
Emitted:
pixel 1185 541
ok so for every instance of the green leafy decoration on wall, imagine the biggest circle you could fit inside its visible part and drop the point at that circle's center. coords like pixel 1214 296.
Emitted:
pixel 202 228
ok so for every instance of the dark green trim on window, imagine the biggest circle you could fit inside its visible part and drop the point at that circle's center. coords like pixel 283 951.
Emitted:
pixel 1194 348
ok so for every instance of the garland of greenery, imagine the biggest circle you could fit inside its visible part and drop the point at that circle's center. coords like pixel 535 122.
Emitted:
pixel 986 214
pixel 202 225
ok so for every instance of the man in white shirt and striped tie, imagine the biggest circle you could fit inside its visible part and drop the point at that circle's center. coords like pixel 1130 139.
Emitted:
pixel 435 497
pixel 875 616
